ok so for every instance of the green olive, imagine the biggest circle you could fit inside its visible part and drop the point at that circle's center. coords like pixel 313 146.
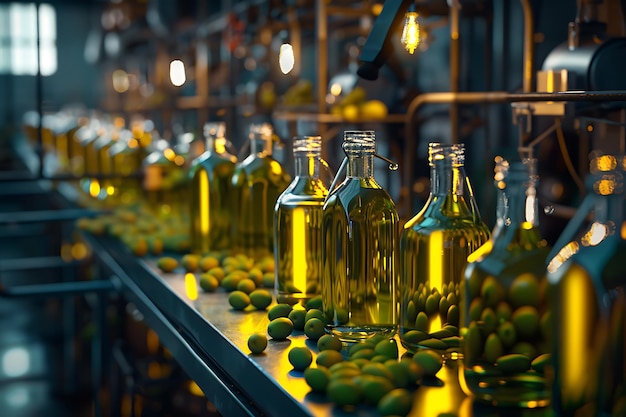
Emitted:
pixel 279 310
pixel 336 367
pixel 524 291
pixel 473 342
pixel 493 348
pixel 257 343
pixel 513 363
pixel 429 361
pixel 315 302
pixel 399 373
pixel 422 322
pixel 246 285
pixel 238 300
pixel 300 357
pixel 388 348
pixel 507 334
pixel 474 283
pixel 297 317
pixel 452 317
pixel 314 313
pixel 344 392
pixel 526 321
pixel 433 343
pixel 443 308
pixel 397 402
pixel 489 320
pixel 452 341
pixel 414 336
pixel 411 312
pixel 359 346
pixel 328 358
pixel 317 378
pixel 503 311
pixel 280 328
pixel 314 329
pixel 491 292
pixel 432 304
pixel 329 341
pixel 261 298
pixel 373 387
pixel 368 354
pixel 441 333
pixel 344 372
pixel 540 362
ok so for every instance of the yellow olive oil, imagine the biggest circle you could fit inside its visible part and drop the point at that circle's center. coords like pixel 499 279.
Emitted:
pixel 360 232
pixel 257 183
pixel 211 196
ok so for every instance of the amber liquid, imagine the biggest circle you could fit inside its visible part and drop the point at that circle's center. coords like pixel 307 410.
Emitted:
pixel 434 250
pixel 211 204
pixel 257 184
pixel 299 247
pixel 360 229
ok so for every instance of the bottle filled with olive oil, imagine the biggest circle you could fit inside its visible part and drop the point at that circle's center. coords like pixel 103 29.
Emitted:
pixel 434 247
pixel 587 288
pixel 298 226
pixel 211 192
pixel 504 309
pixel 257 183
pixel 360 237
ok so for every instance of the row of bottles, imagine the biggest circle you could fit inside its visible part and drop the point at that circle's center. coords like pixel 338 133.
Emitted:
pixel 529 324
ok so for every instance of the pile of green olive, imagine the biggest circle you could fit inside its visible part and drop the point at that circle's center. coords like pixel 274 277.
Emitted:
pixel 507 327
pixel 430 317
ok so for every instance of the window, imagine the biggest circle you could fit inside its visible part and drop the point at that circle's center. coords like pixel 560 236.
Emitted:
pixel 18 39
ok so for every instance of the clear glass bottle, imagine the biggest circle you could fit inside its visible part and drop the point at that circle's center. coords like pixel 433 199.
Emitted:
pixel 211 193
pixel 257 182
pixel 298 226
pixel 434 247
pixel 360 237
pixel 587 284
pixel 503 305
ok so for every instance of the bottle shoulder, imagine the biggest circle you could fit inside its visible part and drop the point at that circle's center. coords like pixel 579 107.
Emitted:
pixel 446 212
pixel 352 195
pixel 304 189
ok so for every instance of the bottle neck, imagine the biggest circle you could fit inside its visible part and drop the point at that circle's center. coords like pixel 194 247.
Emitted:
pixel 260 145
pixel 446 178
pixel 307 166
pixel 360 165
pixel 216 145
pixel 521 207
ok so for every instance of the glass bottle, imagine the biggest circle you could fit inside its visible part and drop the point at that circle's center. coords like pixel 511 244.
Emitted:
pixel 503 306
pixel 257 183
pixel 434 247
pixel 126 166
pixel 298 226
pixel 162 179
pixel 360 233
pixel 211 193
pixel 586 282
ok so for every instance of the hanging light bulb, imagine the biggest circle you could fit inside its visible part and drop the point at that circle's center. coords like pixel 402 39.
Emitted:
pixel 411 31
pixel 177 72
pixel 286 59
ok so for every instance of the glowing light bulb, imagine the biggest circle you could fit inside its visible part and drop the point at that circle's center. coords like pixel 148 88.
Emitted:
pixel 177 73
pixel 286 59
pixel 411 32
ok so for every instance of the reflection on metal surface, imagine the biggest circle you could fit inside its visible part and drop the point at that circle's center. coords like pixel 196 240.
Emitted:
pixel 191 286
